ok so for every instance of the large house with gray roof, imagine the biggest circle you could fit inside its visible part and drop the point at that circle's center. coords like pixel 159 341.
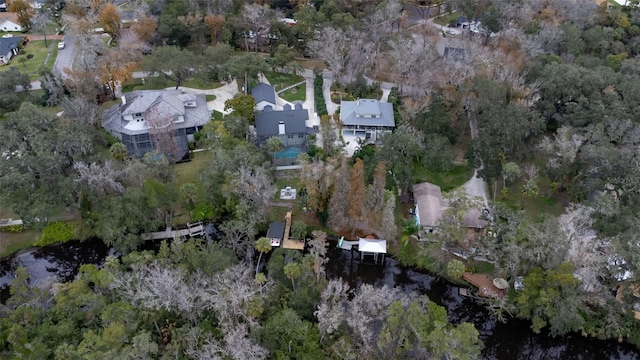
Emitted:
pixel 367 119
pixel 144 113
pixel 289 125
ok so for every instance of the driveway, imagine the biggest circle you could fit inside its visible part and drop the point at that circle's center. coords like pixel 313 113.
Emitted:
pixel 66 55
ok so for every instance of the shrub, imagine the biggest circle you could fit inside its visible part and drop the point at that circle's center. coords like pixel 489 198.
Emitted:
pixel 56 232
pixel 202 211
pixel 12 228
pixel 321 106
pixel 455 269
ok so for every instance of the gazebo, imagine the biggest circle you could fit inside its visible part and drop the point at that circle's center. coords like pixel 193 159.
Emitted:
pixel 374 247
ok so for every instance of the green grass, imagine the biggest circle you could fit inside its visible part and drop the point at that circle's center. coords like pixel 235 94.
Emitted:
pixel 210 97
pixel 189 172
pixel 447 19
pixel 298 93
pixel 13 242
pixel 536 205
pixel 31 66
pixel 217 115
pixel 449 180
pixel 482 267
pixel 160 82
pixel 282 80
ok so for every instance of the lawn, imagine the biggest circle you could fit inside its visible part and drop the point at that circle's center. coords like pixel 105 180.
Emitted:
pixel 189 172
pixel 160 82
pixel 210 97
pixel 297 93
pixel 449 180
pixel 447 19
pixel 282 80
pixel 217 115
pixel 543 203
pixel 39 52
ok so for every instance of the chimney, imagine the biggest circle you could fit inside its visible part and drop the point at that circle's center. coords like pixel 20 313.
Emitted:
pixel 124 99
pixel 281 128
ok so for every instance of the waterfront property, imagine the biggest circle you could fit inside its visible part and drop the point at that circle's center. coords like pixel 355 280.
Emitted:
pixel 366 119
pixel 431 207
pixel 164 120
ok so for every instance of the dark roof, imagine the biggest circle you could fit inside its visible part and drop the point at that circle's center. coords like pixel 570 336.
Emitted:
pixel 451 52
pixel 264 92
pixel 461 20
pixel 276 230
pixel 7 44
pixel 295 120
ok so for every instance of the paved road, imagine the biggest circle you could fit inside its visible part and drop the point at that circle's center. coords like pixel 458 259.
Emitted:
pixel 64 58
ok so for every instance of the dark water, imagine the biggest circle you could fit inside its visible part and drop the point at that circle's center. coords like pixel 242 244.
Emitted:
pixel 513 340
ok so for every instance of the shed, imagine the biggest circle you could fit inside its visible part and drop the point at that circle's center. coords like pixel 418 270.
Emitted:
pixel 276 233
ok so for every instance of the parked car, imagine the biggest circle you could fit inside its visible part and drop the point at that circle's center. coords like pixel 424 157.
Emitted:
pixel 5 36
pixel 61 45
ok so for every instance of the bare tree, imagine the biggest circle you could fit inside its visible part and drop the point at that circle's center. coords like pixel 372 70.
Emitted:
pixel 318 248
pixel 257 19
pixel 80 110
pixel 161 131
pixel 100 179
pixel 338 201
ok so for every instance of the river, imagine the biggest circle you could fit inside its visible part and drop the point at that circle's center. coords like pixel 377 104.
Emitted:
pixel 511 340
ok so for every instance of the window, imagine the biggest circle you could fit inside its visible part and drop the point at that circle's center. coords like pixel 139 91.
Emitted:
pixel 289 136
pixel 138 114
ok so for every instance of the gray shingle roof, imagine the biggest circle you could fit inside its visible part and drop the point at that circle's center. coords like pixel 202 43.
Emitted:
pixel 9 43
pixel 294 120
pixel 367 112
pixel 276 230
pixel 166 102
pixel 264 92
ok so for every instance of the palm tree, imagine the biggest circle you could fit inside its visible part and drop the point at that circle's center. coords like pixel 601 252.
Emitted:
pixel 263 245
pixel 293 271
pixel 409 228
pixel 295 68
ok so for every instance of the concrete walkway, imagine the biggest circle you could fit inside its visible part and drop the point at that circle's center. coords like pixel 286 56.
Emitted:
pixel 222 94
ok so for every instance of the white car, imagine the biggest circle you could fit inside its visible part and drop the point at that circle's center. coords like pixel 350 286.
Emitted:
pixel 61 45
pixel 5 36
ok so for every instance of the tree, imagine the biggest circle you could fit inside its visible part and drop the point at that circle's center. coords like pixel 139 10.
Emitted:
pixel 116 67
pixel 292 271
pixel 295 68
pixel 242 105
pixel 215 23
pixel 161 132
pixel 263 246
pixel 172 62
pixel 356 197
pixel 145 27
pixel 189 195
pixel 118 151
pixel 399 151
pixel 338 203
pixel 257 18
pixel 455 269
pixel 274 145
pixel 109 18
pixel 51 81
pixel 318 247
pixel 376 194
pixel 298 230
pixel 246 66
pixel 23 11
pixel 39 24
pixel 10 81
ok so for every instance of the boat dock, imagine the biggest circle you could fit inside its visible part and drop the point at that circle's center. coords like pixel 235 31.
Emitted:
pixel 288 243
pixel 485 285
pixel 192 230
pixel 348 245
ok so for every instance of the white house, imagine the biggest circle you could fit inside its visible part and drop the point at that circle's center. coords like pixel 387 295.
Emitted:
pixel 9 22
pixel 366 118
pixel 9 48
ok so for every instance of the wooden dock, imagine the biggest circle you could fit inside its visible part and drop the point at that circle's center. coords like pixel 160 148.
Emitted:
pixel 287 243
pixel 192 230
pixel 485 285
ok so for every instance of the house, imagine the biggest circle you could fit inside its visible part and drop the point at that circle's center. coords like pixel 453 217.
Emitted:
pixel 265 95
pixel 374 248
pixel 366 118
pixel 290 126
pixel 276 233
pixel 9 48
pixel 431 207
pixel 3 5
pixel 9 22
pixel 145 111
pixel 462 22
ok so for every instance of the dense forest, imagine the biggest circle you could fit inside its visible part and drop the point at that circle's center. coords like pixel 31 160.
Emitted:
pixel 541 101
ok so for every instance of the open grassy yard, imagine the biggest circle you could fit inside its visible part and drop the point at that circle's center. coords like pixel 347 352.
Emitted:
pixel 189 172
pixel 160 82
pixel 39 52
pixel 298 93
pixel 283 80
pixel 446 180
